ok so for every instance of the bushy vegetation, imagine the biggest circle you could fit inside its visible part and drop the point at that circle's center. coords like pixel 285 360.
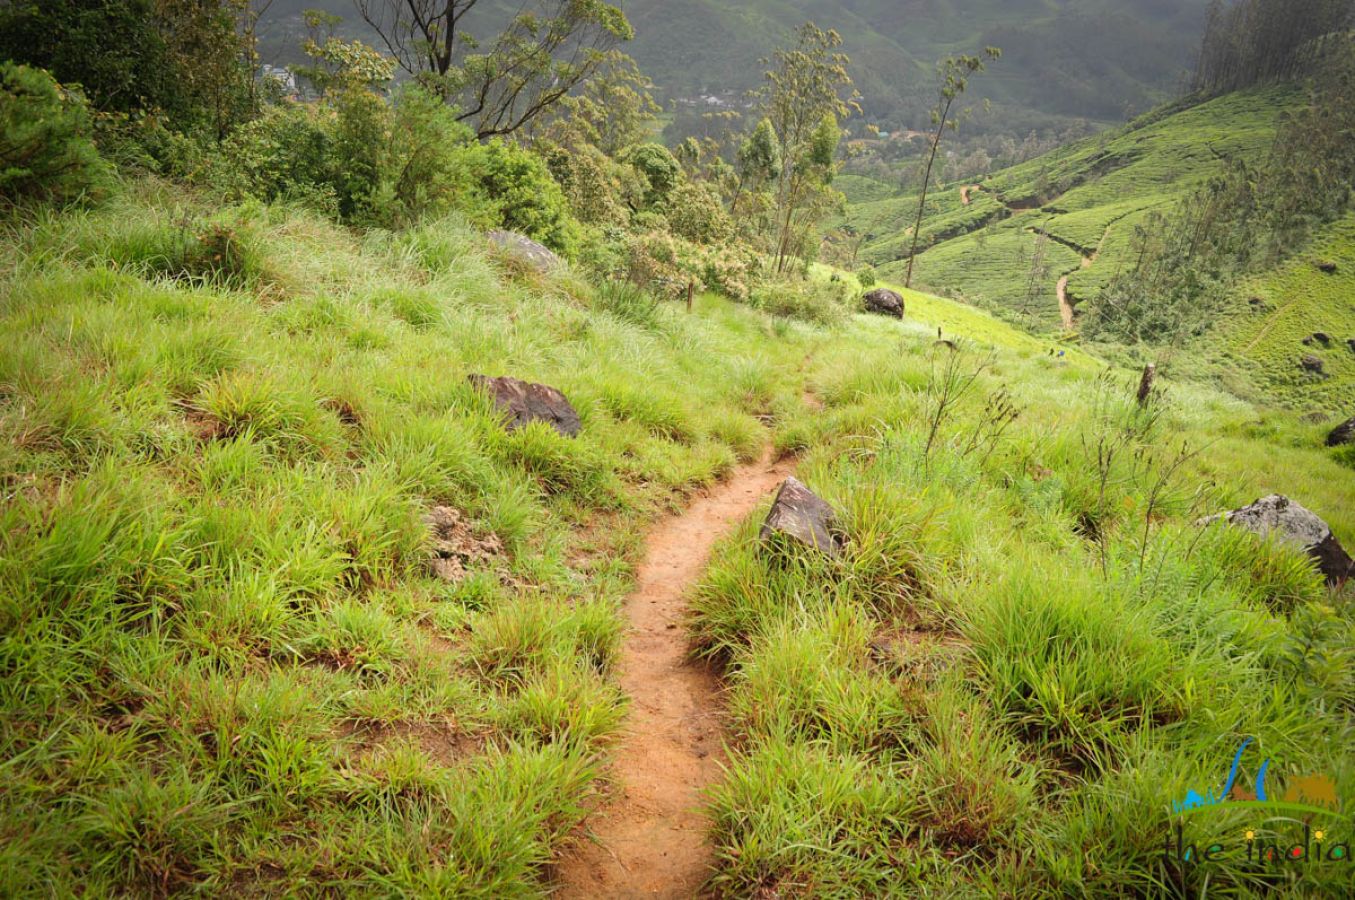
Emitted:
pixel 227 664
pixel 46 150
pixel 988 694
pixel 537 135
pixel 288 608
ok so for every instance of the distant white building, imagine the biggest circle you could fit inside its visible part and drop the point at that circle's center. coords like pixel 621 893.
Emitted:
pixel 282 75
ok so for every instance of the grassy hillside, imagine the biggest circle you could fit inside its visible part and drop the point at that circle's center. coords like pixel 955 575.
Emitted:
pixel 1276 318
pixel 226 667
pixel 226 663
pixel 1074 213
pixel 1086 197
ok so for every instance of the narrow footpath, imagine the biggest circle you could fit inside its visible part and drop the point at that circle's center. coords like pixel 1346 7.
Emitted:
pixel 650 839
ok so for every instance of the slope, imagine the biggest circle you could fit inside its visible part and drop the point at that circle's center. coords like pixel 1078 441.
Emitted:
pixel 1085 200
pixel 285 610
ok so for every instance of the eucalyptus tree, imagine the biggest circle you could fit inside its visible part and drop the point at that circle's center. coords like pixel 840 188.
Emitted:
pixel 955 73
pixel 807 91
pixel 549 48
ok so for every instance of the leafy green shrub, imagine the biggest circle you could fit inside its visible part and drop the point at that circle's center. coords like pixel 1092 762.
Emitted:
pixel 660 262
pixel 525 197
pixel 423 173
pixel 696 213
pixel 363 159
pixel 599 189
pixel 730 268
pixel 361 156
pixel 45 145
pixel 660 169
pixel 817 302
pixel 287 153
pixel 866 276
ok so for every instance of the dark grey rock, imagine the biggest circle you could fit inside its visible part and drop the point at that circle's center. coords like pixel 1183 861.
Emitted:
pixel 1342 434
pixel 524 402
pixel 804 517
pixel 1318 338
pixel 1351 344
pixel 1327 265
pixel 1314 364
pixel 536 256
pixel 884 302
pixel 1291 523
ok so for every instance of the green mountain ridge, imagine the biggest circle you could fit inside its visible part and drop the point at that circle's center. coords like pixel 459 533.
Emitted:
pixel 1094 59
pixel 1088 60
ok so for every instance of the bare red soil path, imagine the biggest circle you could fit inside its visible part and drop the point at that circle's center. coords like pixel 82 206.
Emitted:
pixel 650 839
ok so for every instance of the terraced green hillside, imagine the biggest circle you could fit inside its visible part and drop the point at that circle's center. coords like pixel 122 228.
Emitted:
pixel 1306 308
pixel 1086 198
pixel 1067 222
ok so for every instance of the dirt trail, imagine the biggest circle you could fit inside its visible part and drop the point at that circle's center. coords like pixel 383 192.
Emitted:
pixel 1065 308
pixel 650 840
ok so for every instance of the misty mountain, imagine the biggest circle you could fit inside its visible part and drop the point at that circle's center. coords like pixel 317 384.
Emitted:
pixel 1063 59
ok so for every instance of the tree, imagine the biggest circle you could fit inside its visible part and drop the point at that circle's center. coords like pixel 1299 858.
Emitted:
pixel 337 64
pixel 1255 41
pixel 659 167
pixel 759 161
pixel 955 73
pixel 544 54
pixel 45 146
pixel 114 51
pixel 206 47
pixel 612 111
pixel 251 11
pixel 178 57
pixel 807 91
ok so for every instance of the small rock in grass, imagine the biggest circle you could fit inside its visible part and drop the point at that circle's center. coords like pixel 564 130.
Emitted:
pixel 455 545
pixel 1291 523
pixel 1316 338
pixel 884 302
pixel 1314 364
pixel 524 402
pixel 535 256
pixel 804 517
pixel 1342 434
pixel 1326 265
